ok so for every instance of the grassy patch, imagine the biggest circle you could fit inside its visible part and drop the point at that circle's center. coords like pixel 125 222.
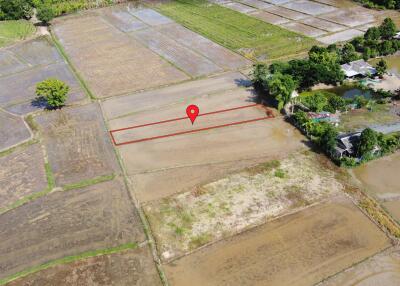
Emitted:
pixel 362 118
pixel 68 259
pixel 50 176
pixel 378 214
pixel 279 173
pixel 89 182
pixel 23 145
pixel 249 36
pixel 264 167
pixel 11 31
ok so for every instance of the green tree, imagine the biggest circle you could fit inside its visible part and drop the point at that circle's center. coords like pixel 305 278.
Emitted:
pixel 372 34
pixel 337 103
pixel 387 28
pixel 348 53
pixel 381 67
pixel 368 141
pixel 259 75
pixel 386 48
pixel 53 91
pixel 316 102
pixel 15 9
pixel 45 13
pixel 280 87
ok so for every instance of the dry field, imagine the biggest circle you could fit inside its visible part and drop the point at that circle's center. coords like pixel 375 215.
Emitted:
pixel 139 48
pixel 13 130
pixel 220 209
pixel 21 174
pixel 77 144
pixel 382 269
pixel 23 66
pixel 67 223
pixel 162 167
pixel 131 267
pixel 379 177
pixel 297 249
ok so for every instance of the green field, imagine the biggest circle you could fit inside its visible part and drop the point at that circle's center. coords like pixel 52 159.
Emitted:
pixel 11 31
pixel 249 36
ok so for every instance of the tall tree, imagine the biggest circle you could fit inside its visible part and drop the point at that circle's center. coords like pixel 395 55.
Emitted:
pixel 280 87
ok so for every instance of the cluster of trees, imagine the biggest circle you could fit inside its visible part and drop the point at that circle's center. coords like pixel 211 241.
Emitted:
pixel 377 41
pixel 390 4
pixel 323 134
pixel 280 79
pixel 52 91
pixel 324 101
pixel 23 9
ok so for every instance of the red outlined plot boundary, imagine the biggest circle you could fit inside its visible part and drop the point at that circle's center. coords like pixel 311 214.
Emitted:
pixel 269 116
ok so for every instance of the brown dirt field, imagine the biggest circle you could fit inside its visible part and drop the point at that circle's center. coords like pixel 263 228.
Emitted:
pixel 13 130
pixel 77 144
pixel 290 14
pixel 298 249
pixel 67 223
pixel 382 269
pixel 127 268
pixel 21 174
pixel 309 7
pixel 147 163
pixel 99 50
pixel 381 176
pixel 269 18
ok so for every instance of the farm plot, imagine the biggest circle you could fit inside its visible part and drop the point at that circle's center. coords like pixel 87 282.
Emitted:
pixel 131 267
pixel 26 64
pixel 240 201
pixel 77 144
pixel 67 223
pixel 382 269
pixel 13 130
pixel 380 177
pixel 177 160
pixel 301 249
pixel 237 31
pixel 21 174
pixel 111 62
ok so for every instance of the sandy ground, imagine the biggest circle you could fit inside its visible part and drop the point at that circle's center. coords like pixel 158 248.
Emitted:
pixel 130 267
pixel 240 201
pixel 299 249
pixel 67 223
pixel 382 269
pixel 164 160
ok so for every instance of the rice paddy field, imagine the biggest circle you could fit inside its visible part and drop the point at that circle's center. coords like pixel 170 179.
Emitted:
pixel 11 31
pixel 246 35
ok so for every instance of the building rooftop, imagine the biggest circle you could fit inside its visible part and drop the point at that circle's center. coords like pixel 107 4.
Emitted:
pixel 359 67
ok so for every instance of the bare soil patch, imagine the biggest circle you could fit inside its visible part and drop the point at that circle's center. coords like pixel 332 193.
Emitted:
pixel 309 7
pixel 299 249
pixel 12 130
pixel 182 57
pixel 21 174
pixel 287 13
pixel 269 18
pixel 324 25
pixel 240 201
pixel 77 144
pixel 382 269
pixel 303 29
pixel 99 50
pixel 346 17
pixel 131 267
pixel 340 36
pixel 67 223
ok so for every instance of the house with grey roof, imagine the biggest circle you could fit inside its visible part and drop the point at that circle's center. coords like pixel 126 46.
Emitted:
pixel 357 68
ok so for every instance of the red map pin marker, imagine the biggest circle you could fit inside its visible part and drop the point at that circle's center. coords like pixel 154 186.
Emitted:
pixel 192 111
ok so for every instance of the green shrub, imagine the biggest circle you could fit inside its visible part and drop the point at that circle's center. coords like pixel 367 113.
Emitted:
pixel 53 91
pixel 45 13
pixel 15 9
